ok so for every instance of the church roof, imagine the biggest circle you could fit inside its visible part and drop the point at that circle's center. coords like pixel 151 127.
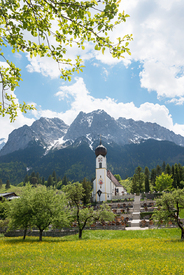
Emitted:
pixel 100 150
pixel 113 179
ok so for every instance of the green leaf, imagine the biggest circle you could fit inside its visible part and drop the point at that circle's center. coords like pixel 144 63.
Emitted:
pixel 76 24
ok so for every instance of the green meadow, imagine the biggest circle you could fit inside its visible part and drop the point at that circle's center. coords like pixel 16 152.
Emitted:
pixel 156 251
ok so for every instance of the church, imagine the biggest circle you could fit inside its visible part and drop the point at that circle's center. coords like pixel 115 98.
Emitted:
pixel 105 186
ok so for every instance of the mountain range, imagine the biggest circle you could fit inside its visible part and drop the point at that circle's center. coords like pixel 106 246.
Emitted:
pixel 49 144
pixel 2 142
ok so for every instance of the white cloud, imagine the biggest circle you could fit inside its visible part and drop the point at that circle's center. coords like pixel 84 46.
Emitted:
pixel 96 64
pixel 105 74
pixel 177 101
pixel 48 67
pixel 178 129
pixel 156 76
pixel 18 55
pixel 81 100
pixel 45 65
pixel 157 28
pixel 4 64
pixel 7 127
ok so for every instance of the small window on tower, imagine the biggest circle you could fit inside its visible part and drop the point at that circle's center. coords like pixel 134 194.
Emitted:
pixel 100 165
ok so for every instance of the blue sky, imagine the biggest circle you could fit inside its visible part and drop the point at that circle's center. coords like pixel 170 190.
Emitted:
pixel 148 85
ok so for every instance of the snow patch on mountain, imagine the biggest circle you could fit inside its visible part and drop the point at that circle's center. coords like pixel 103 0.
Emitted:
pixel 89 120
pixel 43 131
pixel 90 140
pixel 58 144
pixel 54 134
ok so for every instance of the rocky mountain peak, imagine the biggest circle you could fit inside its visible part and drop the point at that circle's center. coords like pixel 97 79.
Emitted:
pixel 94 124
pixel 54 134
pixel 2 142
pixel 44 131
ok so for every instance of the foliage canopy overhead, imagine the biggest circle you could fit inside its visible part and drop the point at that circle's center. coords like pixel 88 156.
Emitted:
pixel 48 28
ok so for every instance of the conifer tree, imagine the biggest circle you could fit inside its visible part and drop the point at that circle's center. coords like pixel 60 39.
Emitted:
pixel 158 170
pixel 163 166
pixel 140 178
pixel 137 181
pixel 1 183
pixel 26 179
pixel 43 181
pixel 181 174
pixel 153 176
pixel 7 186
pixel 50 181
pixel 134 185
pixel 168 169
pixel 38 175
pixel 33 174
pixel 174 175
pixel 54 176
pixel 146 179
pixel 34 180
pixel 64 180
pixel 59 179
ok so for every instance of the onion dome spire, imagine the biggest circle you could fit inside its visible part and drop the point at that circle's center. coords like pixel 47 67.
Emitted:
pixel 100 149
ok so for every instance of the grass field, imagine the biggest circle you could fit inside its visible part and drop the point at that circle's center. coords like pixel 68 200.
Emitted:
pixel 12 188
pixel 157 251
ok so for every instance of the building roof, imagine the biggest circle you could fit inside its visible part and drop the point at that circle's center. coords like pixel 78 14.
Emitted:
pixel 9 196
pixel 113 179
pixel 100 150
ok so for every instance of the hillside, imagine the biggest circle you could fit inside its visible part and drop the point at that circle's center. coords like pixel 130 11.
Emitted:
pixel 49 144
pixel 78 162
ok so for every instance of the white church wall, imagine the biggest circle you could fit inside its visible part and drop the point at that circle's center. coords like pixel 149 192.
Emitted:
pixel 102 183
pixel 101 161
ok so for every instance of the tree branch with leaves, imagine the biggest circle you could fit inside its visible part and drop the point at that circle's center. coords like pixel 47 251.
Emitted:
pixel 169 208
pixel 85 215
pixel 78 23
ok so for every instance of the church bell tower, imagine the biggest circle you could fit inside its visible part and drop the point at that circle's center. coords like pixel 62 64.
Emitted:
pixel 100 184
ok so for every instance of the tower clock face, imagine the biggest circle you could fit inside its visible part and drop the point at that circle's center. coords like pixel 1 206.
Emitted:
pixel 100 182
pixel 100 159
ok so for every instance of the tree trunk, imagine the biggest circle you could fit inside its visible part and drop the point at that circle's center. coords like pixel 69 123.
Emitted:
pixel 40 239
pixel 80 233
pixel 25 231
